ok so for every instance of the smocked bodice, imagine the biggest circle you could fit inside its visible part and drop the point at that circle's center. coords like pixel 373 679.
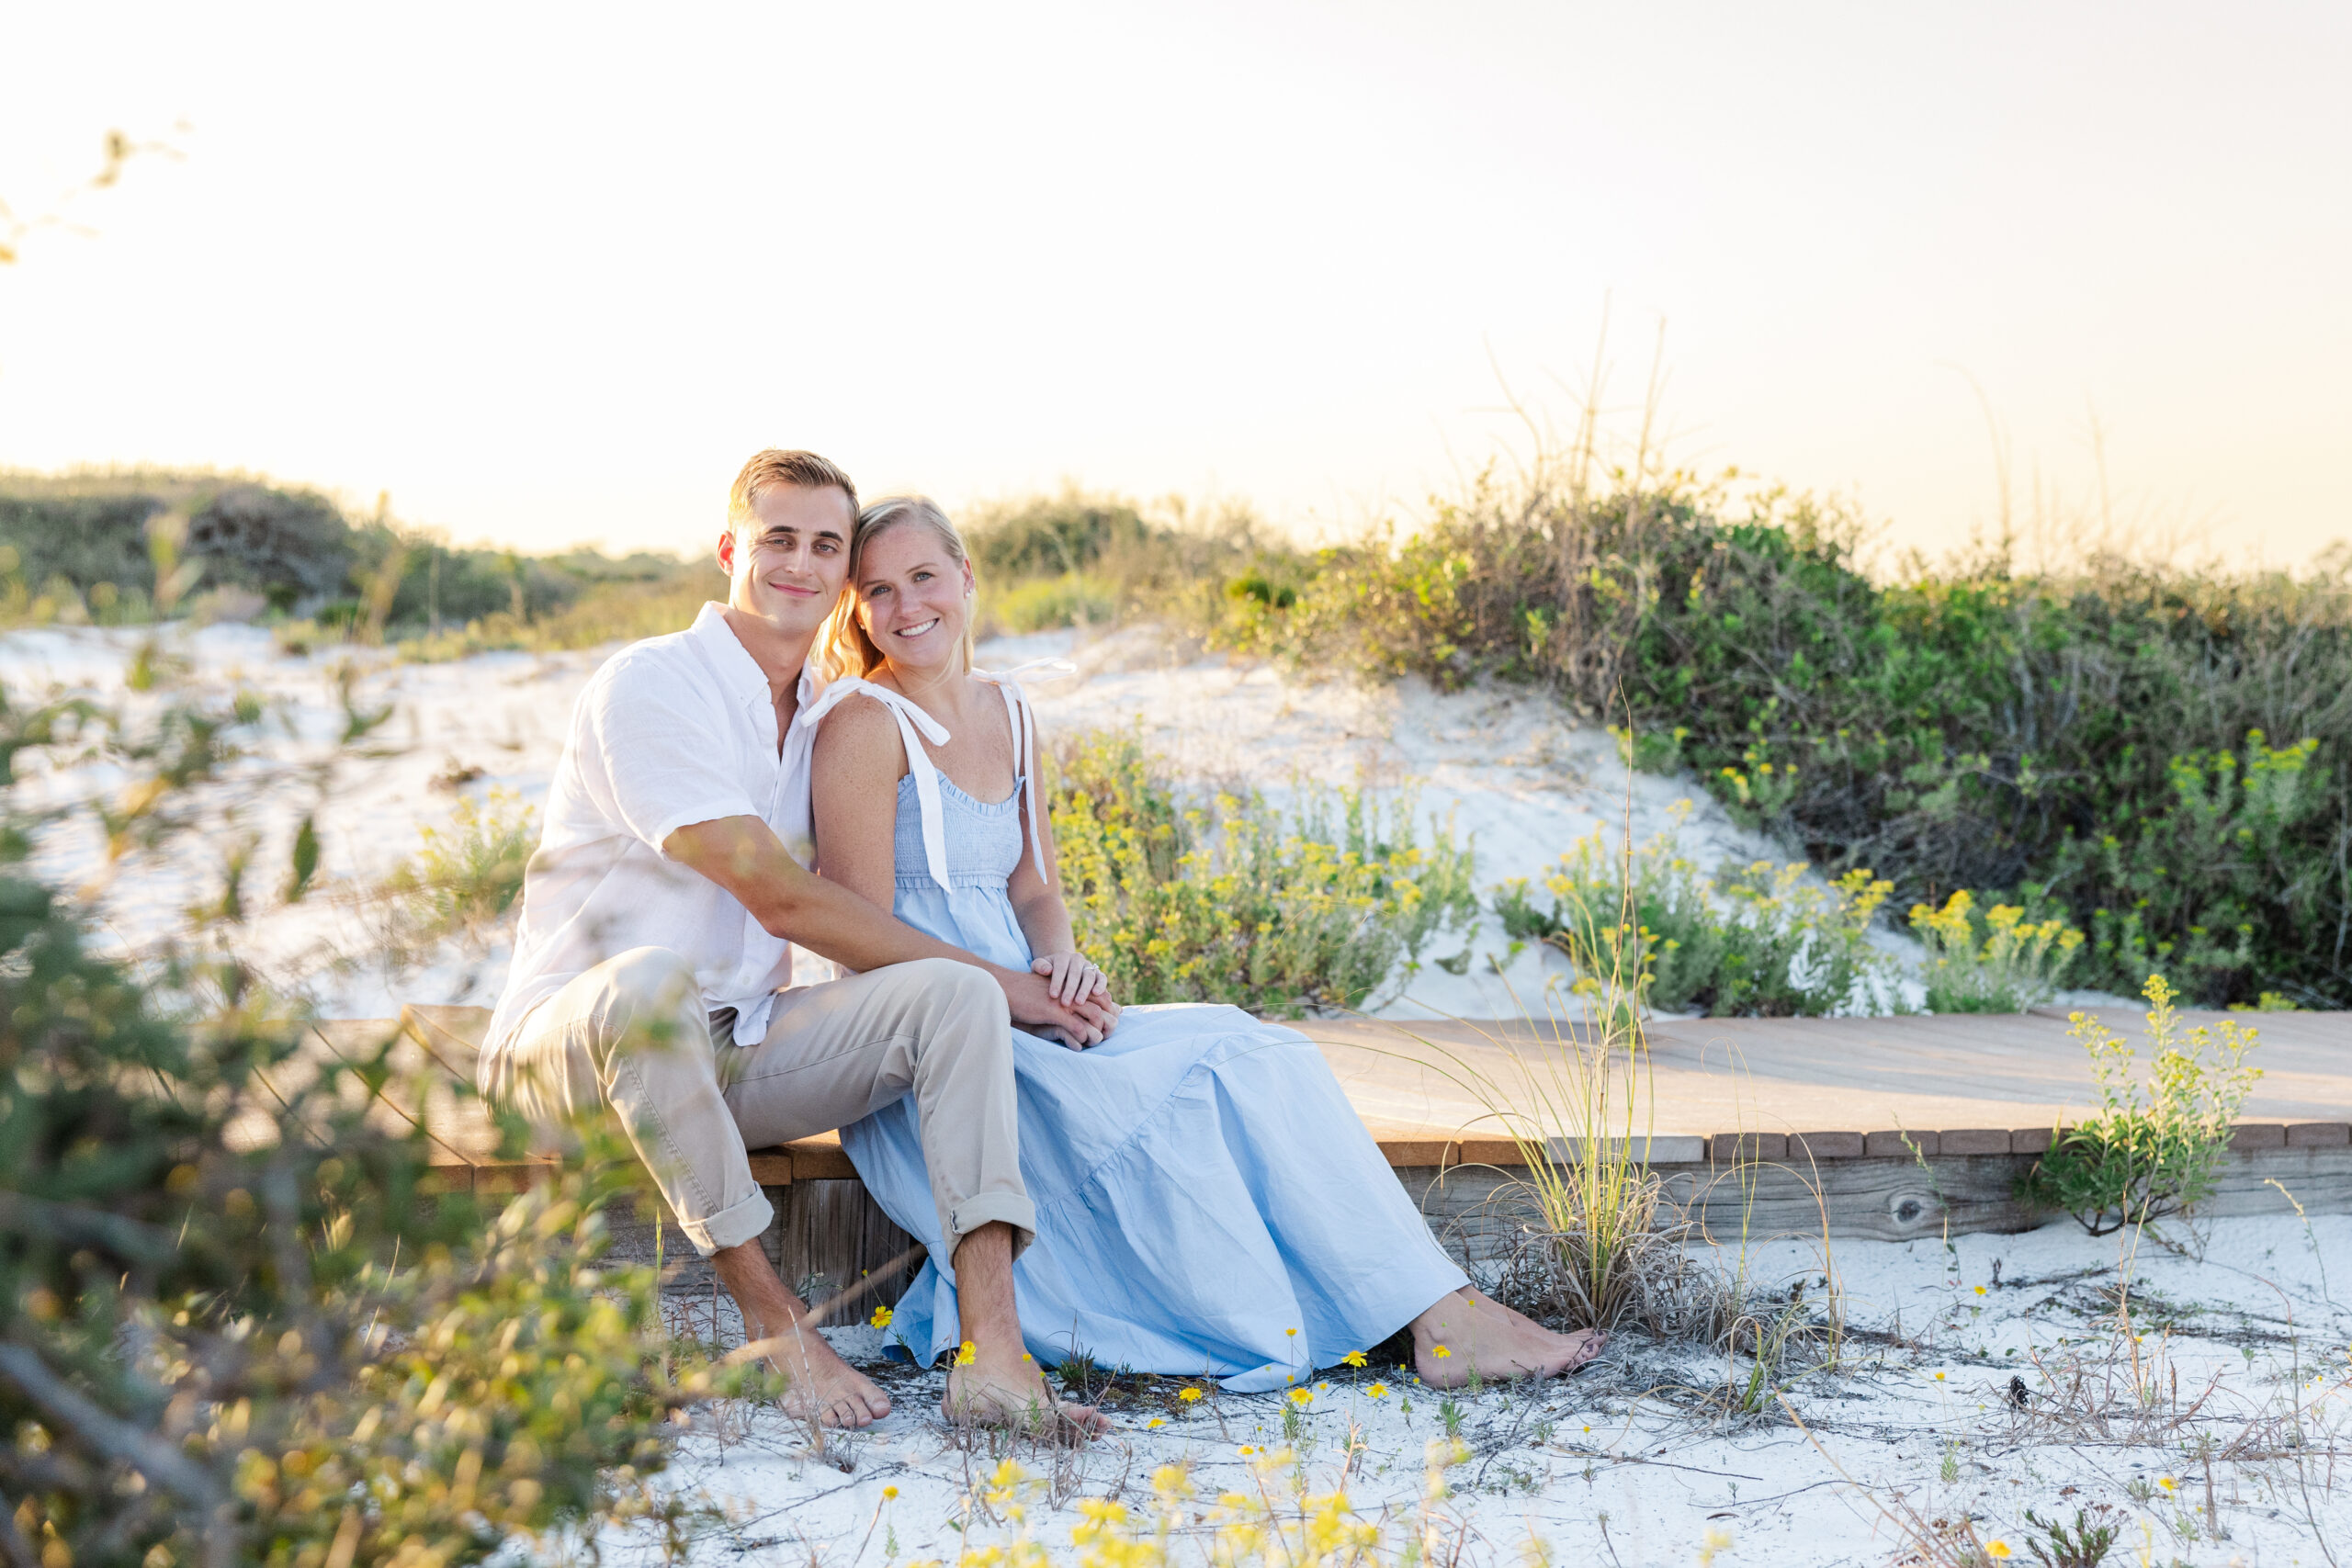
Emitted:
pixel 982 838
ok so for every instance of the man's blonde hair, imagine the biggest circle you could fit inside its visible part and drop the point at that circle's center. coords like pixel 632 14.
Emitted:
pixel 847 650
pixel 777 467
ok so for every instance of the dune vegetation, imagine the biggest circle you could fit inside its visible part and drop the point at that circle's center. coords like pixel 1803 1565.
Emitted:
pixel 2157 756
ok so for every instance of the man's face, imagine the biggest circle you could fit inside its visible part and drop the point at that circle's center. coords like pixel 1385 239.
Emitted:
pixel 787 563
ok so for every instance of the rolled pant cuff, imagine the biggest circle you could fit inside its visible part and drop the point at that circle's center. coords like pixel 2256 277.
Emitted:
pixel 1013 1208
pixel 731 1226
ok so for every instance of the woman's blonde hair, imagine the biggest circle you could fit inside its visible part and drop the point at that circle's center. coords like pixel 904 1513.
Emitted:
pixel 847 650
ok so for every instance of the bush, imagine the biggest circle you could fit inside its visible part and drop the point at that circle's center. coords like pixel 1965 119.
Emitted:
pixel 1109 554
pixel 2151 1151
pixel 465 876
pixel 1045 602
pixel 88 530
pixel 2102 732
pixel 1997 962
pixel 1233 900
pixel 1759 942
pixel 233 1325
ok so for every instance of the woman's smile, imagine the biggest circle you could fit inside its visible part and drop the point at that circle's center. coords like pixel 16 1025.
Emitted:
pixel 917 629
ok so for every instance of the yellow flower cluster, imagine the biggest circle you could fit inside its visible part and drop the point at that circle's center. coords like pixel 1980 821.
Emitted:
pixel 1276 1520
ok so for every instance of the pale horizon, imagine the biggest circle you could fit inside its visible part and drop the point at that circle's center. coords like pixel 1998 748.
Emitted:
pixel 547 277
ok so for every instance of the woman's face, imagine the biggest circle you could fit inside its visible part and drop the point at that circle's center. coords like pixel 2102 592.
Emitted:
pixel 913 597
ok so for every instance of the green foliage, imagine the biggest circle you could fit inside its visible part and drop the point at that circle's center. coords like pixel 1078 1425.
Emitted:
pixel 1993 962
pixel 234 1324
pixel 1235 901
pixel 2152 1149
pixel 2085 1546
pixel 81 548
pixel 2219 871
pixel 1963 726
pixel 1760 941
pixel 1044 602
pixel 465 876
pixel 1053 561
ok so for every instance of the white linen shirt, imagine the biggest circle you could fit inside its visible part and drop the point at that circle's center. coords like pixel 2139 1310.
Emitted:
pixel 670 731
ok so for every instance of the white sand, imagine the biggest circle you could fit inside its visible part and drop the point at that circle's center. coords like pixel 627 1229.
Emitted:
pixel 1639 1441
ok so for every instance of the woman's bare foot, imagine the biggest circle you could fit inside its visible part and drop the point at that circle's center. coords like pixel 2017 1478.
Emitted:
pixel 1467 1332
pixel 1006 1388
pixel 821 1387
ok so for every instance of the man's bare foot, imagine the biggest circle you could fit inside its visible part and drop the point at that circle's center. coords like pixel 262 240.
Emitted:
pixel 1005 1388
pixel 1468 1332
pixel 821 1387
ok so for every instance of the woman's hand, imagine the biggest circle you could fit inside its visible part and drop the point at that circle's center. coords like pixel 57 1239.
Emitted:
pixel 1071 977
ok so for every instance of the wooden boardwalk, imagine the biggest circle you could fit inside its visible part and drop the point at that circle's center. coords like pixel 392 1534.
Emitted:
pixel 1893 1129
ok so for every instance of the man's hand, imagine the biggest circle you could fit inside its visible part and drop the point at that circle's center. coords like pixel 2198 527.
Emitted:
pixel 1076 1024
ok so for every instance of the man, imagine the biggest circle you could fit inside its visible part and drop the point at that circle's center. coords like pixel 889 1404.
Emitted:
pixel 653 954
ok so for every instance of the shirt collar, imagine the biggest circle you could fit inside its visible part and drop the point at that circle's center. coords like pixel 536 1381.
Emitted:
pixel 746 681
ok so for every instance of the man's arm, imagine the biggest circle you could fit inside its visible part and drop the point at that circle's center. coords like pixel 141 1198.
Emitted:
pixel 743 855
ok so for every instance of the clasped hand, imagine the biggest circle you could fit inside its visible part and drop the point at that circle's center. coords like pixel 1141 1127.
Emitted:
pixel 1074 982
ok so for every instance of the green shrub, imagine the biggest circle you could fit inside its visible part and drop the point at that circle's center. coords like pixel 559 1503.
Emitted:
pixel 1962 726
pixel 465 876
pixel 2151 1151
pixel 1234 900
pixel 1046 603
pixel 234 1327
pixel 1111 554
pixel 1993 962
pixel 1758 942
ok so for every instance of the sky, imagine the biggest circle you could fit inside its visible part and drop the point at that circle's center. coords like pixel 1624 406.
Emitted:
pixel 547 274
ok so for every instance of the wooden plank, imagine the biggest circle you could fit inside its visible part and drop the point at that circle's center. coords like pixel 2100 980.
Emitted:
pixel 1476 1210
pixel 831 1235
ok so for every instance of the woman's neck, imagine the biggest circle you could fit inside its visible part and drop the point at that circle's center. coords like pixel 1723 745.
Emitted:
pixel 940 693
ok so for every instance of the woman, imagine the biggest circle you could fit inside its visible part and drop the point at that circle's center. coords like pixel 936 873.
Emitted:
pixel 1207 1201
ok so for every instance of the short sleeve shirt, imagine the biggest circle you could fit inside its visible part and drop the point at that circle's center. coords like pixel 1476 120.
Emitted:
pixel 670 731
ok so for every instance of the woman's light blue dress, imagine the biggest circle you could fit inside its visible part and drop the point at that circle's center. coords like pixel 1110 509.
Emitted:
pixel 1207 1201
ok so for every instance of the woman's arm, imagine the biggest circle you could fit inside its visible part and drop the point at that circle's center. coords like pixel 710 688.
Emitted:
pixel 1044 919
pixel 854 794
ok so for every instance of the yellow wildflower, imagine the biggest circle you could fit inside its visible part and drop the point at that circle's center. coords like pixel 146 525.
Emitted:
pixel 1441 1352
pixel 1189 1395
pixel 1352 1359
pixel 889 1492
pixel 881 1318
pixel 1980 1289
pixel 1378 1390
pixel 1302 1397
pixel 1998 1550
pixel 967 1352
pixel 1155 1421
pixel 2167 1482
pixel 1290 1333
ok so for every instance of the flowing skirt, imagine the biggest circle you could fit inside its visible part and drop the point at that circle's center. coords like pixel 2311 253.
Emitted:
pixel 1208 1204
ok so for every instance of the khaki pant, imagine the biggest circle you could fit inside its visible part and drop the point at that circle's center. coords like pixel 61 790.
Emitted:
pixel 631 1034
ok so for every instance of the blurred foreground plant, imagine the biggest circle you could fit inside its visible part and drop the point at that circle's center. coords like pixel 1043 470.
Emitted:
pixel 2152 1150
pixel 1275 1518
pixel 465 876
pixel 235 1325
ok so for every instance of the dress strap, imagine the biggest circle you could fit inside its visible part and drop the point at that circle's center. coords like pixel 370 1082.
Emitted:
pixel 1025 739
pixel 912 720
